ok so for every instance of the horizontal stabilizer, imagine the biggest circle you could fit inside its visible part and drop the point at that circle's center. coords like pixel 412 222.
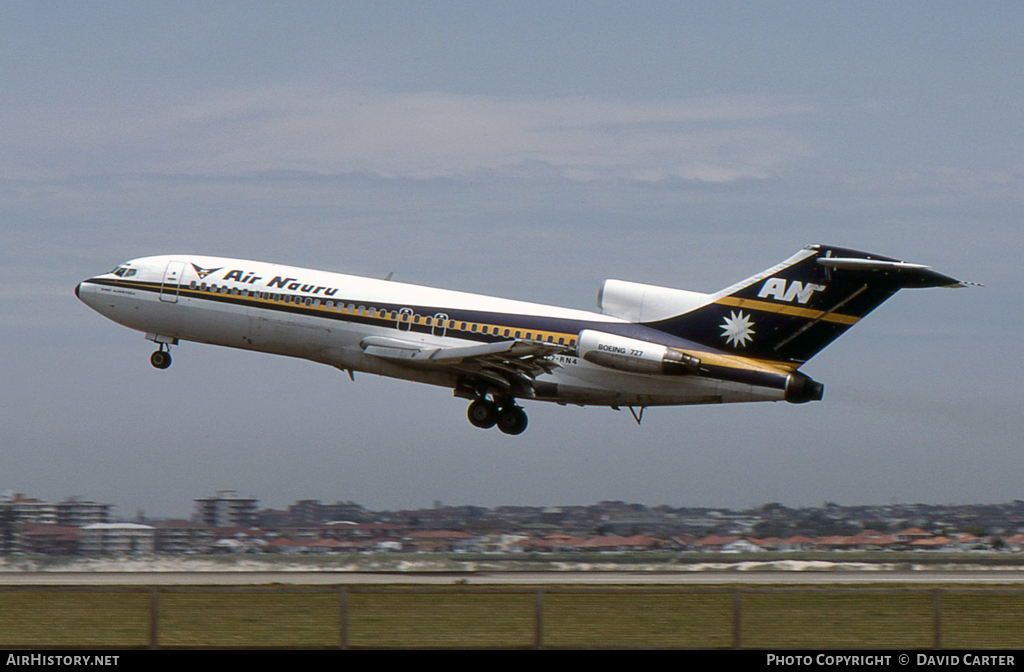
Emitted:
pixel 904 274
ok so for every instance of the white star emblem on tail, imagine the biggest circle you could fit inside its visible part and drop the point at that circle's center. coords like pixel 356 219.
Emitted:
pixel 737 329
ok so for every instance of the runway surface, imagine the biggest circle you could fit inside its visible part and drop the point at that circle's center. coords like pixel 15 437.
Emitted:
pixel 299 578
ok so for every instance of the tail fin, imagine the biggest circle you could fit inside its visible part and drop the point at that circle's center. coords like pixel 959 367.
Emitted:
pixel 791 311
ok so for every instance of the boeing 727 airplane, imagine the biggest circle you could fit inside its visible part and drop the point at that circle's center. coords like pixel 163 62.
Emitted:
pixel 649 345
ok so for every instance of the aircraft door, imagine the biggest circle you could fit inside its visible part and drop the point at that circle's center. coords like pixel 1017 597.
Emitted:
pixel 439 325
pixel 172 281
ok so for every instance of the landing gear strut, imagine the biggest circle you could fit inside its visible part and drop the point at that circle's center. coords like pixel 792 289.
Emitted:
pixel 161 359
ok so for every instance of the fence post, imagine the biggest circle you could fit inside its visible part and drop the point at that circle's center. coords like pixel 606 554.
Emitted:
pixel 737 619
pixel 937 618
pixel 343 617
pixel 538 619
pixel 154 617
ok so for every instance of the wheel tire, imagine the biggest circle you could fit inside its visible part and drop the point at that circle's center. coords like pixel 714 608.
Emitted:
pixel 160 359
pixel 482 414
pixel 512 420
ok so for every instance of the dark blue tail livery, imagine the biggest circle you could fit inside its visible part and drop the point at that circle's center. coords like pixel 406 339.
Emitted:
pixel 791 311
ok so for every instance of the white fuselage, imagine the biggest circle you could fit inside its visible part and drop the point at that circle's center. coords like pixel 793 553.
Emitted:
pixel 331 318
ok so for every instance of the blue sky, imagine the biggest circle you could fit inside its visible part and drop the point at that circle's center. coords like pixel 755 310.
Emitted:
pixel 527 150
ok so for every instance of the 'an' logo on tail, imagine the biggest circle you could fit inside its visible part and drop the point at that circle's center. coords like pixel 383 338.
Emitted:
pixel 777 289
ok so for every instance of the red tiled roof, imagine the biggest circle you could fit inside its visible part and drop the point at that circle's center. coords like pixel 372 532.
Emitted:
pixel 438 534
pixel 838 540
pixel 716 540
pixel 329 543
pixel 767 542
pixel 640 540
pixel 284 542
pixel 875 538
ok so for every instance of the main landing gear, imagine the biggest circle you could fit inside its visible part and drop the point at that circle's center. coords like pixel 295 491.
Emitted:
pixel 509 418
pixel 161 359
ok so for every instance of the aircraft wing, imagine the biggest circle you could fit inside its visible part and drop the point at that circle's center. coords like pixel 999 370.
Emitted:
pixel 509 363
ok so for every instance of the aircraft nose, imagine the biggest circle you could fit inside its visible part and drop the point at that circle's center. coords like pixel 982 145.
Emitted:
pixel 78 287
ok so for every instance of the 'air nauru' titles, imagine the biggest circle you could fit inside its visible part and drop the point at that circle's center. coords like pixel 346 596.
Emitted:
pixel 292 284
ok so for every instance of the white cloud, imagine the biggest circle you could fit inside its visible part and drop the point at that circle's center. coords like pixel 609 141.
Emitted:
pixel 413 135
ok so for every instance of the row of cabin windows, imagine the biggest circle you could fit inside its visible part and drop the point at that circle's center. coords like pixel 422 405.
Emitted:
pixel 404 318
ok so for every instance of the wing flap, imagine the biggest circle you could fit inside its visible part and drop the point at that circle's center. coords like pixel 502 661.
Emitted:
pixel 513 360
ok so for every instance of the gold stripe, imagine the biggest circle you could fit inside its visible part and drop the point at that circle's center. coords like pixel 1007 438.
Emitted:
pixel 740 362
pixel 751 304
pixel 723 360
pixel 379 314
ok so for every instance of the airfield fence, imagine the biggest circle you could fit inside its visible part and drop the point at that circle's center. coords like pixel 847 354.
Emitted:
pixel 362 617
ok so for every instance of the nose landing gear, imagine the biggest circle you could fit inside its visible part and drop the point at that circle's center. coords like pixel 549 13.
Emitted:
pixel 161 359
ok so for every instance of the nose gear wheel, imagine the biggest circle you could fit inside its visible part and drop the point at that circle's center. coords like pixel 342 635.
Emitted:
pixel 161 359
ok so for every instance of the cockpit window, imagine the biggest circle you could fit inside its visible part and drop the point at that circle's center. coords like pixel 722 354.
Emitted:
pixel 124 271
